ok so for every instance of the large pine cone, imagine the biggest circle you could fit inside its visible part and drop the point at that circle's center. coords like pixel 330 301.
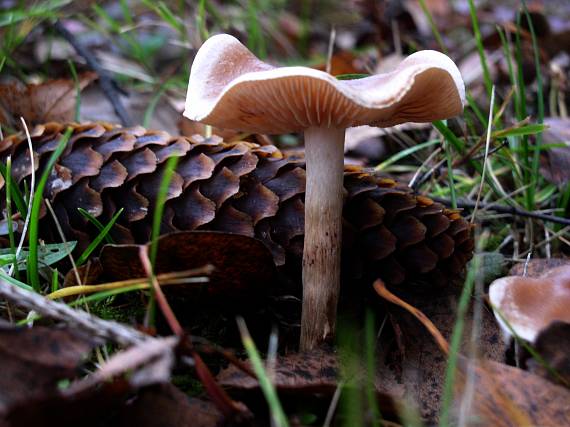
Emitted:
pixel 237 187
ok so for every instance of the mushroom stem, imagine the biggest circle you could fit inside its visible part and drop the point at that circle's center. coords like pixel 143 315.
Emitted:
pixel 324 154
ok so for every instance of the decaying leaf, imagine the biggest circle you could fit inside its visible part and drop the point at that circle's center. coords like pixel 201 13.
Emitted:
pixel 243 265
pixel 132 388
pixel 53 100
pixel 35 359
pixel 505 396
pixel 165 405
pixel 536 267
pixel 312 372
pixel 555 162
pixel 309 374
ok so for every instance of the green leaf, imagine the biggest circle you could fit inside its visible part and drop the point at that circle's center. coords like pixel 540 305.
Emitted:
pixel 520 131
pixel 47 254
pixel 102 234
pixel 353 76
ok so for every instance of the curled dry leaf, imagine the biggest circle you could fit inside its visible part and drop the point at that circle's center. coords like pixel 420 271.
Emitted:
pixel 35 359
pixel 53 100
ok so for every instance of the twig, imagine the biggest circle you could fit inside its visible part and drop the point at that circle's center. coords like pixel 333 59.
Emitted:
pixel 106 82
pixel 487 144
pixel 32 195
pixel 167 311
pixel 466 204
pixel 106 329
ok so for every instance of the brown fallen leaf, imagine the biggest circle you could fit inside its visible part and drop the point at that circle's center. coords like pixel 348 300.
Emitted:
pixel 312 372
pixel 505 396
pixel 344 62
pixel 243 265
pixel 116 403
pixel 165 405
pixel 420 371
pixel 131 388
pixel 299 376
pixel 35 359
pixel 51 101
pixel 555 162
pixel 93 408
pixel 538 266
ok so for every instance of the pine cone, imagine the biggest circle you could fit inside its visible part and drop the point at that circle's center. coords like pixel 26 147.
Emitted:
pixel 237 187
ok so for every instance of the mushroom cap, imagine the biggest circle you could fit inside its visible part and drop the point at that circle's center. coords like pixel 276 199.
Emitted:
pixel 230 88
pixel 531 304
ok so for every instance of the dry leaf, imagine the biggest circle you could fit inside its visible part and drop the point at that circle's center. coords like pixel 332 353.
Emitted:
pixel 555 162
pixel 35 359
pixel 53 100
pixel 538 266
pixel 244 266
pixel 506 396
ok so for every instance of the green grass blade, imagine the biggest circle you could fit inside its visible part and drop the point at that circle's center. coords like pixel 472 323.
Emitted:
pixel 97 241
pixel 267 387
pixel 255 39
pixel 535 176
pixel 54 280
pixel 168 173
pixel 153 103
pixel 14 282
pixel 201 20
pixel 370 350
pixel 16 194
pixel 96 223
pixel 77 90
pixel 447 397
pixel 404 153
pixel 433 27
pixel 33 270
pixel 534 129
pixel 450 177
pixel 9 222
pixel 479 42
pixel 475 108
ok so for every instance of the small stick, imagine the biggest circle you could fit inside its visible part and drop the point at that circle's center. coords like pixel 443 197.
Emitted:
pixel 380 288
pixel 94 326
pixel 106 82
pixel 466 204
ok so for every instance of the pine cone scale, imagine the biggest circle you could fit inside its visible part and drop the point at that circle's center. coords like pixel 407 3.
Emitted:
pixel 241 188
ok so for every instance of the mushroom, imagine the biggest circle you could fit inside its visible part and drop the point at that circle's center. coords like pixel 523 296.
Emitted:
pixel 230 88
pixel 528 304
